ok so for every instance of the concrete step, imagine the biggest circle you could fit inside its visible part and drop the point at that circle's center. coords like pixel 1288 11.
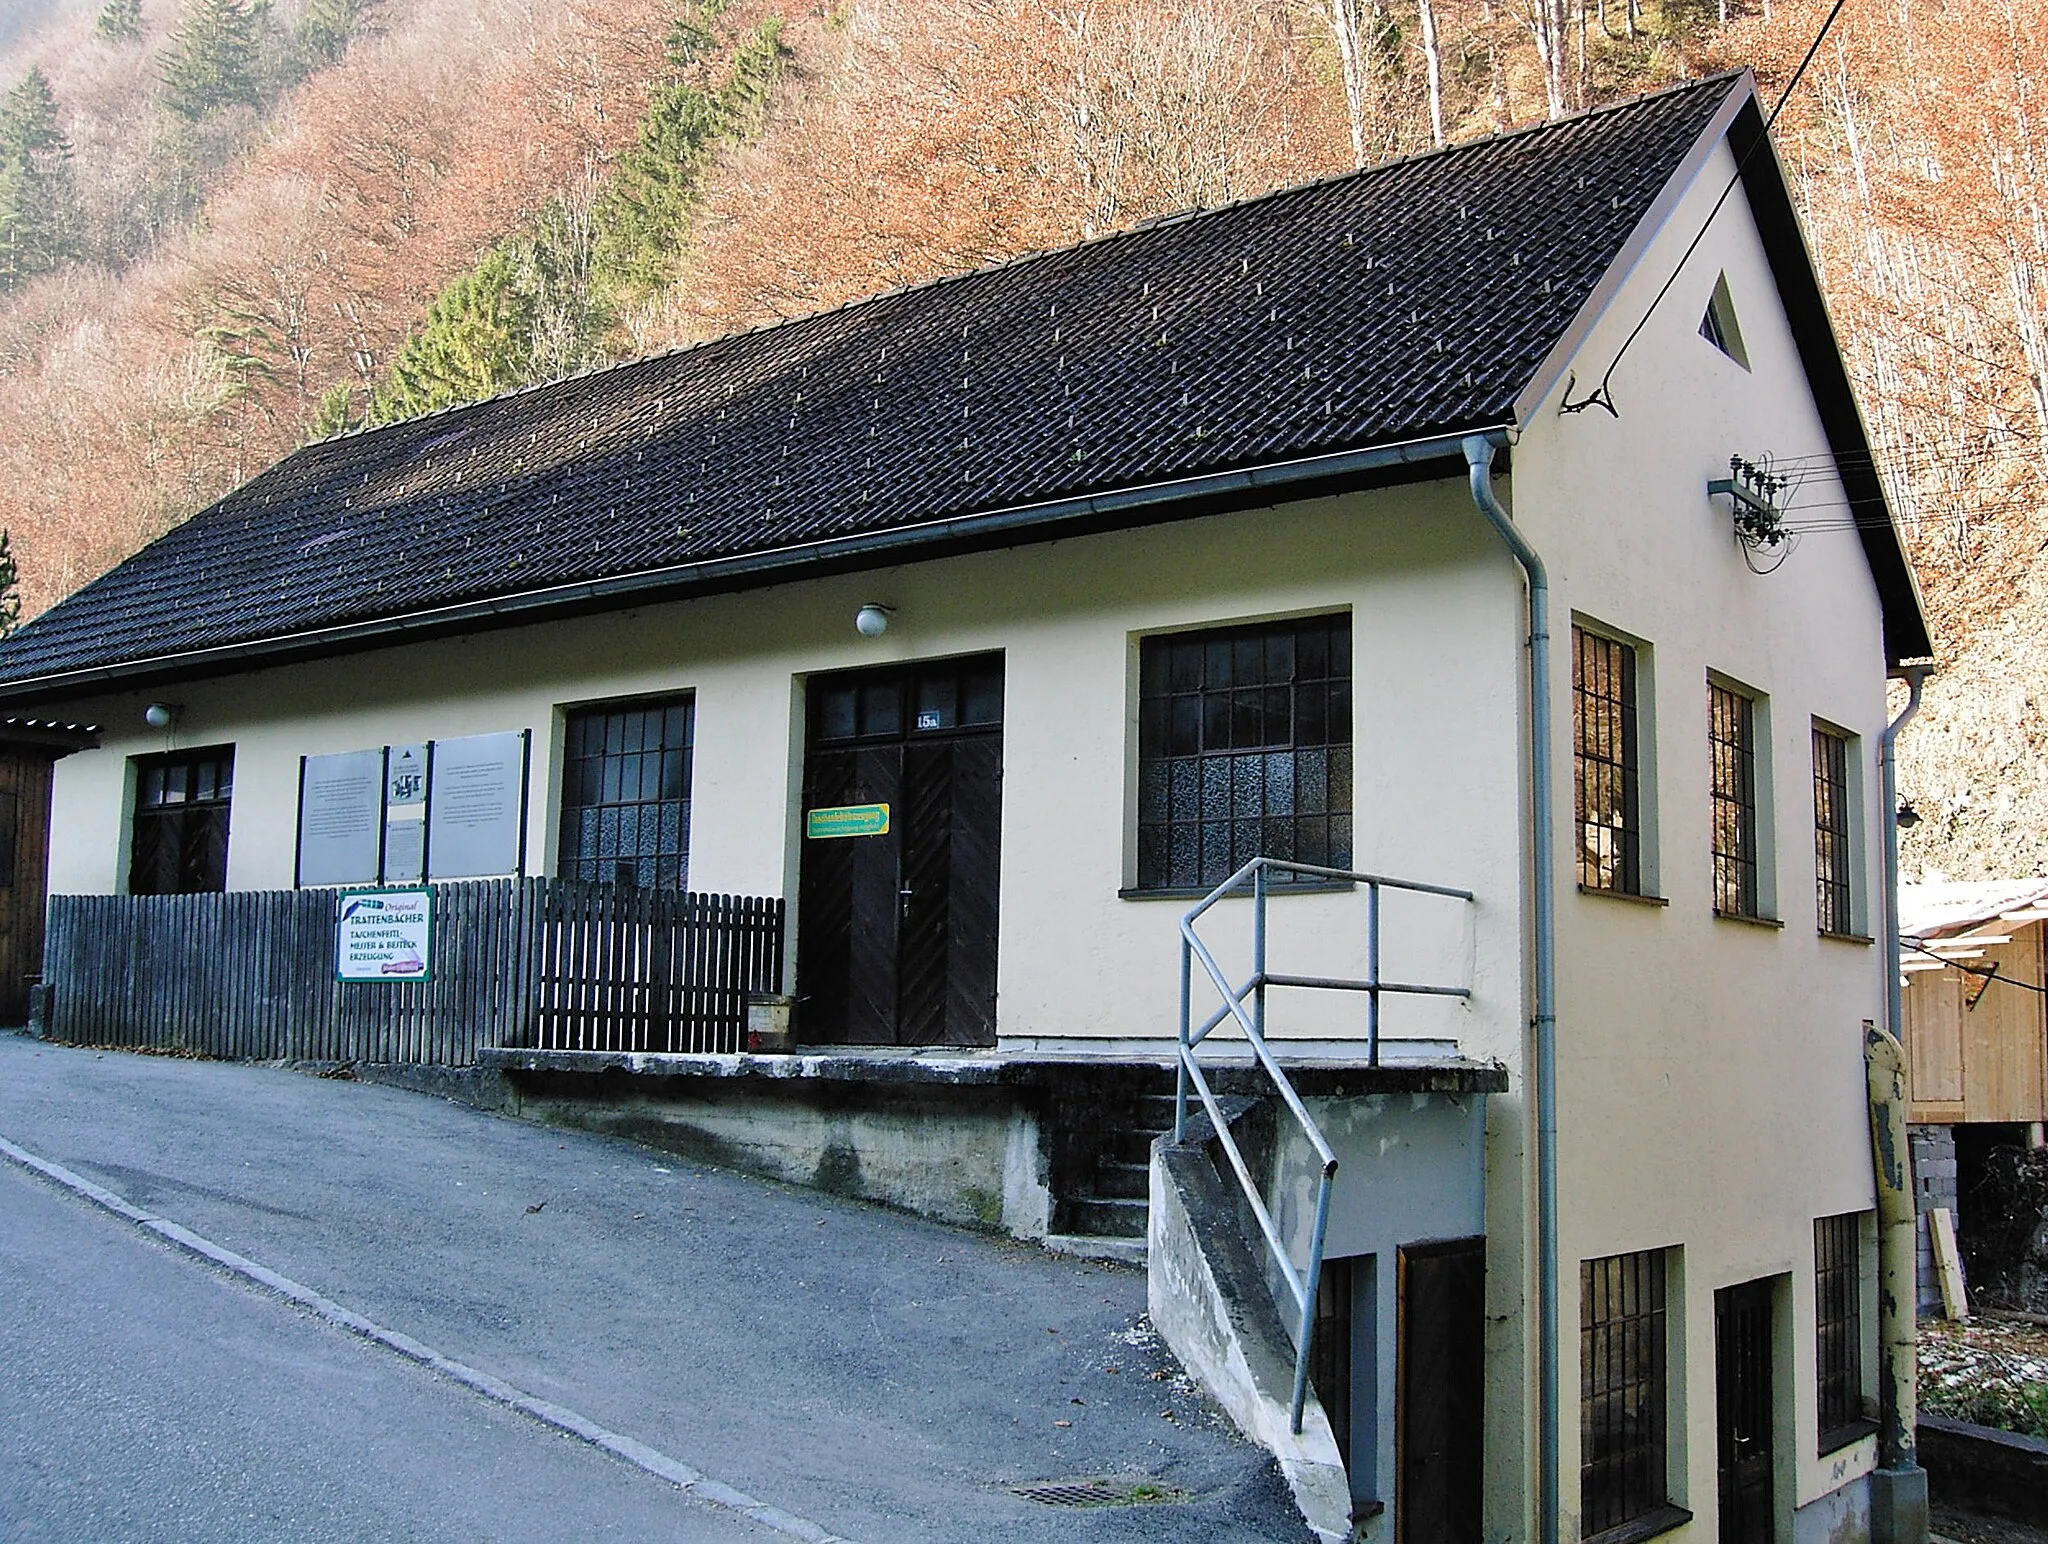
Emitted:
pixel 1106 1216
pixel 1124 1181
pixel 1129 1147
pixel 1125 1251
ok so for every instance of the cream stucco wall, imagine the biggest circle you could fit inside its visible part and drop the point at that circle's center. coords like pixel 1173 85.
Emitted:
pixel 1434 629
pixel 1710 1072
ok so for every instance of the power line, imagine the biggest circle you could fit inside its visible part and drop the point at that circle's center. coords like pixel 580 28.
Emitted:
pixel 1603 395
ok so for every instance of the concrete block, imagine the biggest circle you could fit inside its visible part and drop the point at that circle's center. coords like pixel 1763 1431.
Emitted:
pixel 1898 1506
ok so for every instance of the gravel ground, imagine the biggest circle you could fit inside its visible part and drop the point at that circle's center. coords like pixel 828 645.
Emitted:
pixel 1990 1370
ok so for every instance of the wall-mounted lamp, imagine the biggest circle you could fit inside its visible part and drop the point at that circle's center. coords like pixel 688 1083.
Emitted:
pixel 160 715
pixel 872 620
pixel 1907 816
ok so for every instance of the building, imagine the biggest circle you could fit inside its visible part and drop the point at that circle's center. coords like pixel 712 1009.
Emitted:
pixel 1977 1031
pixel 991 623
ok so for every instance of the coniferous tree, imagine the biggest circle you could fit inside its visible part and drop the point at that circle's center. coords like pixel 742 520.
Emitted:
pixel 120 21
pixel 212 60
pixel 475 343
pixel 38 204
pixel 325 29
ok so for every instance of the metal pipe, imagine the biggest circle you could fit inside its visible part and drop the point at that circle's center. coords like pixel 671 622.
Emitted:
pixel 1897 1248
pixel 1479 451
pixel 1899 1488
pixel 1372 972
pixel 1180 1081
pixel 1887 761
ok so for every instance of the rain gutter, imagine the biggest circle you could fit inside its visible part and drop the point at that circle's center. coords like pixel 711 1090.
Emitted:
pixel 1050 520
pixel 1479 453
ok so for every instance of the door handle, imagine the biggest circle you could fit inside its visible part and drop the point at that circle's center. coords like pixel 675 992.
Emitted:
pixel 903 901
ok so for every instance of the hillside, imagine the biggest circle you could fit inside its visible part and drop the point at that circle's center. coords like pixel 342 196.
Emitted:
pixel 412 202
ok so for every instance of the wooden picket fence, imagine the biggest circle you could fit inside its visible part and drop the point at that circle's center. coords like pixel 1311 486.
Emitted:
pixel 554 964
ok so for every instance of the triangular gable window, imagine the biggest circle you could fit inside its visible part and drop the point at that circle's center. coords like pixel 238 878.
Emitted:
pixel 1719 327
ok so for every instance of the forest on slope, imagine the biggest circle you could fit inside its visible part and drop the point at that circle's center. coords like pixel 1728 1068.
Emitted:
pixel 227 226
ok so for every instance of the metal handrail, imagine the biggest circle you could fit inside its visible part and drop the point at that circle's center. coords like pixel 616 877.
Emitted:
pixel 1304 1283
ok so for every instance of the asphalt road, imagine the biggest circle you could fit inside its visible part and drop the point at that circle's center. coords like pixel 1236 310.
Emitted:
pixel 882 1378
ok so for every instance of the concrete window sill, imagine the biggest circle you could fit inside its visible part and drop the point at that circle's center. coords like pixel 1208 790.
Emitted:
pixel 1320 887
pixel 1648 1526
pixel 1736 916
pixel 1846 938
pixel 1624 895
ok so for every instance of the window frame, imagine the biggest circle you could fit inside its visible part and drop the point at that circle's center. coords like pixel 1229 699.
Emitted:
pixel 1160 681
pixel 1646 1462
pixel 568 859
pixel 178 815
pixel 1838 1330
pixel 1841 872
pixel 1739 784
pixel 1637 768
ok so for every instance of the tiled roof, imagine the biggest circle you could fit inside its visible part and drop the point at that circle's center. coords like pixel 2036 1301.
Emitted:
pixel 1412 300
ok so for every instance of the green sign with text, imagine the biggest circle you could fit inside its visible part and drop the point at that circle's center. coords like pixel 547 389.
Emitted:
pixel 848 820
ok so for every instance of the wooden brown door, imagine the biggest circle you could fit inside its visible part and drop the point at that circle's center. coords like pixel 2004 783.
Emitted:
pixel 896 928
pixel 1742 1373
pixel 1440 1392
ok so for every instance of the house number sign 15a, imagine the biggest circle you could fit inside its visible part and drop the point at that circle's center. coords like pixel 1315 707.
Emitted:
pixel 848 820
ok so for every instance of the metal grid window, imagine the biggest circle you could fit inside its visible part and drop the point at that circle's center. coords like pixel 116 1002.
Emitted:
pixel 180 842
pixel 1731 739
pixel 1622 1352
pixel 626 794
pixel 1604 738
pixel 1244 750
pixel 1838 1326
pixel 1831 831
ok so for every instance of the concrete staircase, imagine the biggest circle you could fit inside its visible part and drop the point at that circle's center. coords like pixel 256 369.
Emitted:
pixel 1100 1209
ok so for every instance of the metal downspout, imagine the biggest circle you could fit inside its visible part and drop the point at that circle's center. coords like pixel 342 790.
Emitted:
pixel 1899 1488
pixel 1479 451
pixel 1887 760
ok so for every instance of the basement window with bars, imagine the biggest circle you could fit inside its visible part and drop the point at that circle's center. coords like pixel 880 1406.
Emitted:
pixel 1838 1328
pixel 1731 741
pixel 626 794
pixel 1244 750
pixel 180 836
pixel 1623 1398
pixel 1606 794
pixel 1831 858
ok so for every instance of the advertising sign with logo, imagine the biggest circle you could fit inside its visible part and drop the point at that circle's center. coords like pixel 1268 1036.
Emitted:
pixel 385 935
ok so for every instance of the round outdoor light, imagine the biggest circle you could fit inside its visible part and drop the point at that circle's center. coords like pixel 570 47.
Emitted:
pixel 158 715
pixel 1908 817
pixel 872 620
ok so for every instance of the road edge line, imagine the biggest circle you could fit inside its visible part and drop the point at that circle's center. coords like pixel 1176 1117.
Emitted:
pixel 693 1483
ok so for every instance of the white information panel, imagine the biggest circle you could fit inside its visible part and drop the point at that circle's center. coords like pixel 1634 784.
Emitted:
pixel 385 935
pixel 405 814
pixel 340 818
pixel 476 806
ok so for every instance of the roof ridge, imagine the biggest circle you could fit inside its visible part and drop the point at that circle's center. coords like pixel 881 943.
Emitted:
pixel 1037 254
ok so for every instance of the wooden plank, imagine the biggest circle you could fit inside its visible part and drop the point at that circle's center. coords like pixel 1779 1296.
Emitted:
pixel 1948 1263
pixel 1933 1004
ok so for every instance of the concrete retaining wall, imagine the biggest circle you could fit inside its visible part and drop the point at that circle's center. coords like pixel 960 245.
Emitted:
pixel 1985 1470
pixel 970 1156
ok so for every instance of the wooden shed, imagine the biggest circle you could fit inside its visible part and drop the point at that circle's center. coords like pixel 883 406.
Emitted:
pixel 1976 1014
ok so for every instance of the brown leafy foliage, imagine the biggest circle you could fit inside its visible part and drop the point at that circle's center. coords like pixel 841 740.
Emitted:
pixel 912 138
